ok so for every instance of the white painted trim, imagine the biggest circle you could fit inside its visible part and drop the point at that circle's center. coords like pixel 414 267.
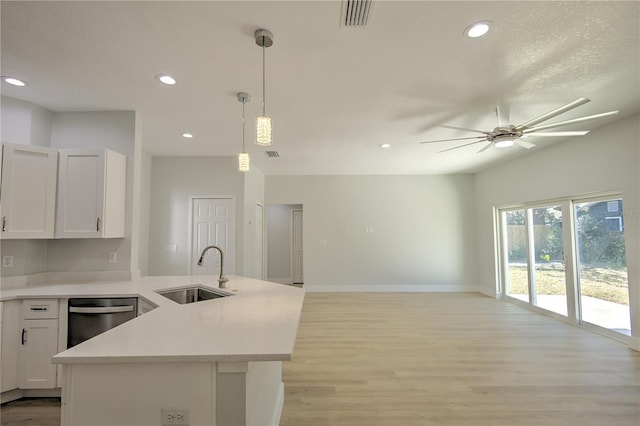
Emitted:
pixel 418 288
pixel 491 293
pixel 275 421
pixel 634 343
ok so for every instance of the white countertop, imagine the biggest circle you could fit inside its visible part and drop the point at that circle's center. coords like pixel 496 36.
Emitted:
pixel 258 323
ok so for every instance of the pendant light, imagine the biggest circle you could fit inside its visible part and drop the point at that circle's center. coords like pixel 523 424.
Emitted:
pixel 264 129
pixel 243 157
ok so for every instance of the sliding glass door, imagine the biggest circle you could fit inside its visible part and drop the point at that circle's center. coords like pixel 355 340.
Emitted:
pixel 602 264
pixel 548 283
pixel 568 257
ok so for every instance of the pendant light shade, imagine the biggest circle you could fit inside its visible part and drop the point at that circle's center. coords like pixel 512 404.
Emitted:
pixel 264 127
pixel 243 162
pixel 243 157
pixel 264 131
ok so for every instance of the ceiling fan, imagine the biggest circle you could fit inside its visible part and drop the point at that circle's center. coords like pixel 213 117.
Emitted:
pixel 506 134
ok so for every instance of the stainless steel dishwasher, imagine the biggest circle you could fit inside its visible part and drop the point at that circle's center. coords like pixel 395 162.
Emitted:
pixel 90 317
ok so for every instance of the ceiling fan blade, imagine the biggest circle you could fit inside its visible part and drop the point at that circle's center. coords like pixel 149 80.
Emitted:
pixel 465 129
pixel 567 122
pixel 486 147
pixel 502 112
pixel 460 146
pixel 569 133
pixel 551 114
pixel 525 144
pixel 456 139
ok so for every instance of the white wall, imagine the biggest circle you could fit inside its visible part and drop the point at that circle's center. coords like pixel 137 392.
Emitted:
pixel 113 130
pixel 279 241
pixel 422 239
pixel 24 123
pixel 173 181
pixel 607 159
pixel 145 213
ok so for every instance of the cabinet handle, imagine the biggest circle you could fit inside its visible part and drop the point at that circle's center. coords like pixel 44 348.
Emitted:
pixel 4 223
pixel 24 336
pixel 98 225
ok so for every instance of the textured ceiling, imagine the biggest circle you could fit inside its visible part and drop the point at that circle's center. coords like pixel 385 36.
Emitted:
pixel 335 93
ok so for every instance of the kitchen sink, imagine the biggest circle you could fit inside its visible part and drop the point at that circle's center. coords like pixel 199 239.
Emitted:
pixel 192 294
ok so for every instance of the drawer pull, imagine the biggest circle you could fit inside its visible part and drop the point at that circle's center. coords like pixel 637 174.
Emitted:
pixel 4 223
pixel 98 225
pixel 24 336
pixel 40 308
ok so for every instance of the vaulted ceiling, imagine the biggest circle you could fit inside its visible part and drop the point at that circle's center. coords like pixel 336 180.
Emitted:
pixel 335 93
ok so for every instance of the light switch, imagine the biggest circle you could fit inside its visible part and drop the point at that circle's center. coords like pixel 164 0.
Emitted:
pixel 7 261
pixel 171 248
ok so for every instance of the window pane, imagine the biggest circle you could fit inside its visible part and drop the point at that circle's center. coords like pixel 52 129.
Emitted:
pixel 604 289
pixel 516 254
pixel 549 277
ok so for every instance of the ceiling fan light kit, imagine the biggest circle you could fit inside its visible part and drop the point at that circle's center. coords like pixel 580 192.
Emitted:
pixel 507 135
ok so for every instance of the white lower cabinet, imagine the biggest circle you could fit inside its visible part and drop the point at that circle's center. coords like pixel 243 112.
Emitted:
pixel 38 343
pixel 10 342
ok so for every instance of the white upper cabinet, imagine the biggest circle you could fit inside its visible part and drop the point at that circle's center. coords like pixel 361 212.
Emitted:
pixel 91 194
pixel 28 192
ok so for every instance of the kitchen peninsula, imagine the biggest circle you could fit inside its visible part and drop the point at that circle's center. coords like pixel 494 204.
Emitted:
pixel 215 362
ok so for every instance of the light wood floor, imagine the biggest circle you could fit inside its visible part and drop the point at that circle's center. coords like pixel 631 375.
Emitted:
pixel 404 359
pixel 377 359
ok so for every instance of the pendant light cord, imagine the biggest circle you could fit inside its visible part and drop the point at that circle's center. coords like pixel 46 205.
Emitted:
pixel 263 79
pixel 243 102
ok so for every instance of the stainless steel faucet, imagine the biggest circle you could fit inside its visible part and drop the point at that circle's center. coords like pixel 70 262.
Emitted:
pixel 222 280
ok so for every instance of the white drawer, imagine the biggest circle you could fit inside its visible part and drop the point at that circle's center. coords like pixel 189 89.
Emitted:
pixel 39 308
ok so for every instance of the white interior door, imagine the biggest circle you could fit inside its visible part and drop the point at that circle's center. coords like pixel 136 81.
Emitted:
pixel 213 223
pixel 297 247
pixel 259 266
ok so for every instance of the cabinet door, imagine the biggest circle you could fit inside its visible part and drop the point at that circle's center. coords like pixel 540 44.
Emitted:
pixel 39 342
pixel 91 194
pixel 28 191
pixel 80 194
pixel 10 343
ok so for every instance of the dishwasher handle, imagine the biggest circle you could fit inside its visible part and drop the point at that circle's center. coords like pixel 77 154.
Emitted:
pixel 101 310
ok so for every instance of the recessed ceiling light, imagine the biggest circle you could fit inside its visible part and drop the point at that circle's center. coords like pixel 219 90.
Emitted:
pixel 385 145
pixel 166 79
pixel 477 29
pixel 187 135
pixel 14 81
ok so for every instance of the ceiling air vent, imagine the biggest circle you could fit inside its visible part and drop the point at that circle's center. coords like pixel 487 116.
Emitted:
pixel 355 13
pixel 272 154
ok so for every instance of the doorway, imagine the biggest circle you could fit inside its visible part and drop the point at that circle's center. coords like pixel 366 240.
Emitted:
pixel 285 254
pixel 213 223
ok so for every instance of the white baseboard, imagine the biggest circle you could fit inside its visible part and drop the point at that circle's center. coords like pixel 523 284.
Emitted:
pixel 390 288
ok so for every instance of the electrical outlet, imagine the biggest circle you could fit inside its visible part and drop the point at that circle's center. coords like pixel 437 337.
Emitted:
pixel 113 257
pixel 175 417
pixel 7 261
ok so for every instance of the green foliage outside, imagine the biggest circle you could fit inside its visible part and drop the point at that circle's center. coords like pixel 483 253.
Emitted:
pixel 603 272
pixel 602 283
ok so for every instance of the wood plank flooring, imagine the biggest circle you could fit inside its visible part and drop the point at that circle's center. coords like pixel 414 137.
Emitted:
pixel 31 412
pixel 401 359
pixel 421 359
